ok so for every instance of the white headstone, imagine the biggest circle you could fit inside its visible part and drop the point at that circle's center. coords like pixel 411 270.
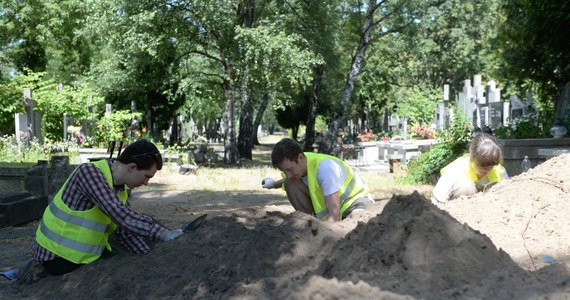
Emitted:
pixel 446 92
pixel 476 80
pixel 440 116
pixel 506 113
pixel 479 91
pixel 21 124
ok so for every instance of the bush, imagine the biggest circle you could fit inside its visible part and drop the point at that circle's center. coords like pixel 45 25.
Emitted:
pixel 453 144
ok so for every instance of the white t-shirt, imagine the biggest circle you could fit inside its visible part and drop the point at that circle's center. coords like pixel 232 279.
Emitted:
pixel 330 176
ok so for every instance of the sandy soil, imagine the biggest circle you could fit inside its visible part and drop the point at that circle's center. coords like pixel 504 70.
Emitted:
pixel 511 242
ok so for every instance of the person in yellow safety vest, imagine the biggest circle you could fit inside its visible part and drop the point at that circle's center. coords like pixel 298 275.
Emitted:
pixel 89 207
pixel 473 172
pixel 317 184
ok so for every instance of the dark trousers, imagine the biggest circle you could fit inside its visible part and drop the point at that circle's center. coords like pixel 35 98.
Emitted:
pixel 60 266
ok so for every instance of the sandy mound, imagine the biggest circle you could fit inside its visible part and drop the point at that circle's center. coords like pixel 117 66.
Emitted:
pixel 404 249
pixel 526 216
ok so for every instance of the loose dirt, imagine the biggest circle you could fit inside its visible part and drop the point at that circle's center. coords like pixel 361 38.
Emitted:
pixel 510 242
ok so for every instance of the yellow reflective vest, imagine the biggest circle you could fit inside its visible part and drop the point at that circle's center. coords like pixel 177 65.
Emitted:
pixel 352 189
pixel 77 236
pixel 462 167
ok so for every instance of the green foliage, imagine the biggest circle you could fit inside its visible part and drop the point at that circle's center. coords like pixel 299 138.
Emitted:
pixel 533 42
pixel 453 144
pixel 53 103
pixel 32 152
pixel 113 127
pixel 531 126
pixel 10 101
pixel 418 105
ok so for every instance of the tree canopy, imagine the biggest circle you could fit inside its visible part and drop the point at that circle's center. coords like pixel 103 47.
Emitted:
pixel 226 63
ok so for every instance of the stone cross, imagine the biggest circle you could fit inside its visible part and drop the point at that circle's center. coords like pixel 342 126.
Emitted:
pixel 480 104
pixel 28 125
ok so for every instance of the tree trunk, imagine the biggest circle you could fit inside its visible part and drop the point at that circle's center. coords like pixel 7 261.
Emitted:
pixel 259 117
pixel 294 132
pixel 245 138
pixel 173 131
pixel 245 141
pixel 313 105
pixel 352 75
pixel 231 154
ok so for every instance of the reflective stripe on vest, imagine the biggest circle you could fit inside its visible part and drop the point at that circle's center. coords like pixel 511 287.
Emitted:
pixel 352 189
pixel 69 243
pixel 77 236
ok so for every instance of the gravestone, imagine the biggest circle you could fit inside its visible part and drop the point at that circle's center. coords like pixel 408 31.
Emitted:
pixel 518 108
pixel 28 125
pixel 45 179
pixel 482 105
pixel 495 114
pixel 19 207
pixel 22 134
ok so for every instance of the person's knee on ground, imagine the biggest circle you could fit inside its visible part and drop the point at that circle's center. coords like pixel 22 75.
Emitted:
pixel 298 195
pixel 358 206
pixel 31 273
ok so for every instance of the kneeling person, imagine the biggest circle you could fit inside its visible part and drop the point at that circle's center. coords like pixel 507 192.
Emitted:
pixel 91 205
pixel 473 172
pixel 318 184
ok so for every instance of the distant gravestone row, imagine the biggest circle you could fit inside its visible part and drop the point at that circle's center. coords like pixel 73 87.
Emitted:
pixel 481 105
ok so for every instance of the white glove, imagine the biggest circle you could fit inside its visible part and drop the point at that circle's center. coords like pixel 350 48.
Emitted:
pixel 172 234
pixel 267 183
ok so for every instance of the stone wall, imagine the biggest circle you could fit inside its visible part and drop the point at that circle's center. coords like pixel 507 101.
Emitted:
pixel 537 150
pixel 12 178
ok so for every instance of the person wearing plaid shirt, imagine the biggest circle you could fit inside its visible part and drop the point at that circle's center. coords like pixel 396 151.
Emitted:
pixel 90 206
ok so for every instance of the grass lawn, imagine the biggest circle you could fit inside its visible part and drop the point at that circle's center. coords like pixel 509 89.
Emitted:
pixel 245 178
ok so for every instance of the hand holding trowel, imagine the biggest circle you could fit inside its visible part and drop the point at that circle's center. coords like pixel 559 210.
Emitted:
pixel 173 234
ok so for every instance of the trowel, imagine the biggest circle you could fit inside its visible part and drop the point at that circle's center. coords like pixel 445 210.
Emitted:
pixel 195 223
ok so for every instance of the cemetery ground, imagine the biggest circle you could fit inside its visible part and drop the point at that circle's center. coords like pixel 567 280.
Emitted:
pixel 510 242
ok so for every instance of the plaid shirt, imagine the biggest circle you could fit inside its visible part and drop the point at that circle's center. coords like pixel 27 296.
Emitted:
pixel 87 187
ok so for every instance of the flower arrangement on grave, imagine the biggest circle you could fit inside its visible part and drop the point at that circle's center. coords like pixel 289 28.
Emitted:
pixel 421 131
pixel 75 132
pixel 367 136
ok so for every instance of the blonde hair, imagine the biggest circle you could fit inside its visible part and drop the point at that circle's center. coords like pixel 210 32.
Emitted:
pixel 485 150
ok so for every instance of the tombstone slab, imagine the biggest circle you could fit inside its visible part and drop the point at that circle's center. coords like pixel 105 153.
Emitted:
pixel 21 207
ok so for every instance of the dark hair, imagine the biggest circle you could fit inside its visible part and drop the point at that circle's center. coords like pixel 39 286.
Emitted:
pixel 143 153
pixel 485 150
pixel 285 148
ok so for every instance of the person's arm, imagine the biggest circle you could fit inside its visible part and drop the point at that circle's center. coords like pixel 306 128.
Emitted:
pixel 330 178
pixel 278 184
pixel 132 242
pixel 442 191
pixel 333 205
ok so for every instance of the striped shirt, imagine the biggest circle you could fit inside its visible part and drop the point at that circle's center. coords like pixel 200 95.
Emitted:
pixel 87 187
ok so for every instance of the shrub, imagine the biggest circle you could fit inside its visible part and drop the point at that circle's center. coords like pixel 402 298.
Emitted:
pixel 453 144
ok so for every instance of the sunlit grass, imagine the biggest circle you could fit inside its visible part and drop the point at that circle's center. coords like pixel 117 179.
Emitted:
pixel 247 177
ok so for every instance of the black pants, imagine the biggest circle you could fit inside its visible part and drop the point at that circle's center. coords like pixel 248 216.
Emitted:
pixel 60 266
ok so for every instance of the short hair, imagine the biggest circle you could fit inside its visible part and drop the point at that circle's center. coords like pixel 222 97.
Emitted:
pixel 285 148
pixel 143 153
pixel 485 150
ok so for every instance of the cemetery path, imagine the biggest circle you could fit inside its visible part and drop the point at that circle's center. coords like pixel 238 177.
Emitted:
pixel 511 242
